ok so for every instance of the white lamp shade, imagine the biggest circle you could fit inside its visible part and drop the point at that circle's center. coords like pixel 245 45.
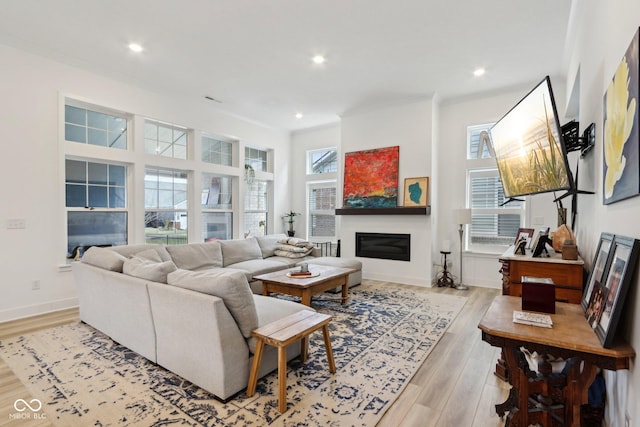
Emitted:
pixel 462 216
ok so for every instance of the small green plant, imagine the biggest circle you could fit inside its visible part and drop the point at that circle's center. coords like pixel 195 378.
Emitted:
pixel 290 218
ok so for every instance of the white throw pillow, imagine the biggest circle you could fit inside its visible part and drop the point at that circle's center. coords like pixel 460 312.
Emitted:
pixel 268 243
pixel 234 251
pixel 148 270
pixel 104 258
pixel 231 286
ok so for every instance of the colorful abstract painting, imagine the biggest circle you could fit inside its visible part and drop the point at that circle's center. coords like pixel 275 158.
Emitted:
pixel 621 144
pixel 371 178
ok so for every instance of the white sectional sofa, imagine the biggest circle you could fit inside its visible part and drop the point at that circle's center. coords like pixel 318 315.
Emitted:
pixel 190 308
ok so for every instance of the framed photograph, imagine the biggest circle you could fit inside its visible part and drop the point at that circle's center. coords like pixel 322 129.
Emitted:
pixel 618 279
pixel 416 191
pixel 599 267
pixel 536 246
pixel 527 233
pixel 596 304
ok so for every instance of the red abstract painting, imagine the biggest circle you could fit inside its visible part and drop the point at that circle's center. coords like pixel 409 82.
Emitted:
pixel 371 178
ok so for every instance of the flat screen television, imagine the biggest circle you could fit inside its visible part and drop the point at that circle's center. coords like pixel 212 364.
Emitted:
pixel 529 148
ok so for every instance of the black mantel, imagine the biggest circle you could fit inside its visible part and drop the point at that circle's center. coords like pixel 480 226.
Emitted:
pixel 398 210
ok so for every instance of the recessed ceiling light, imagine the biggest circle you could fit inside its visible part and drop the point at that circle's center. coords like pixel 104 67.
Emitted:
pixel 318 59
pixel 135 47
pixel 479 72
pixel 299 115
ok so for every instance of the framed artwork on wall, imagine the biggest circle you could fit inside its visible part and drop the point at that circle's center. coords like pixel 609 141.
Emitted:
pixel 371 178
pixel 621 159
pixel 416 191
pixel 600 265
pixel 618 279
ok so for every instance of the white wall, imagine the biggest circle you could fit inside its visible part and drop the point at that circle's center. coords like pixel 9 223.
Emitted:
pixel 479 269
pixel 599 37
pixel 409 126
pixel 32 180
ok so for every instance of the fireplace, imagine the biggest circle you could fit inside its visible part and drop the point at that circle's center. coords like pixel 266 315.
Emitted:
pixel 384 246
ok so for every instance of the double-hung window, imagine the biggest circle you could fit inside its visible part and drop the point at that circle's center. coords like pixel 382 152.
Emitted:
pixel 494 224
pixel 165 203
pixel 217 213
pixel 322 167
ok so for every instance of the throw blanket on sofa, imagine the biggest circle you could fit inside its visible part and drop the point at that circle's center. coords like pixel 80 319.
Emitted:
pixel 293 247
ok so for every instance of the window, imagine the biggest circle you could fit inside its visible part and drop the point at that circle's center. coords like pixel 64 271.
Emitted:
pixel 217 216
pixel 255 158
pixel 96 195
pixel 256 207
pixel 322 161
pixel 95 128
pixel 216 151
pixel 493 225
pixel 165 140
pixel 165 202
pixel 321 206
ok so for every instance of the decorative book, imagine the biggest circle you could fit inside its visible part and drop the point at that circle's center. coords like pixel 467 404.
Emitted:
pixel 533 319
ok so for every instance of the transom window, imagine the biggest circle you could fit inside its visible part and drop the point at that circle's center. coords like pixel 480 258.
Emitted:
pixel 216 151
pixel 255 158
pixel 87 126
pixel 165 140
pixel 322 161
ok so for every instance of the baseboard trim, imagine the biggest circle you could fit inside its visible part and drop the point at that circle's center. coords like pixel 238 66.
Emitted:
pixel 37 309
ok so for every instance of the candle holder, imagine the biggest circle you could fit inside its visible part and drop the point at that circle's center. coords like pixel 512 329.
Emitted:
pixel 445 278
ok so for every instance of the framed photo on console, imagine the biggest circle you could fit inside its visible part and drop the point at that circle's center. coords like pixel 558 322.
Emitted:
pixel 618 279
pixel 600 265
pixel 526 233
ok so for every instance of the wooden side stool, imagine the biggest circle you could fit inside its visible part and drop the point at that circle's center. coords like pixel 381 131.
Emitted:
pixel 280 334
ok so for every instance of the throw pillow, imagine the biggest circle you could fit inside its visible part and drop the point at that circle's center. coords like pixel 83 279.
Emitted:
pixel 268 243
pixel 104 258
pixel 196 256
pixel 231 286
pixel 148 270
pixel 288 254
pixel 290 248
pixel 234 251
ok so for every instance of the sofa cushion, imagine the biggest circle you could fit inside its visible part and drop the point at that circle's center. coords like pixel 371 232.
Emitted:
pixel 268 243
pixel 104 258
pixel 196 256
pixel 148 255
pixel 254 267
pixel 148 270
pixel 231 286
pixel 238 250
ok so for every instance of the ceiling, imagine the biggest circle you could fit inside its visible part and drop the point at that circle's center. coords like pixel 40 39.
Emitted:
pixel 254 56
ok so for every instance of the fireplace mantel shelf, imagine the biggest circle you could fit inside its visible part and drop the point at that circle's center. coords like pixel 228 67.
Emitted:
pixel 399 210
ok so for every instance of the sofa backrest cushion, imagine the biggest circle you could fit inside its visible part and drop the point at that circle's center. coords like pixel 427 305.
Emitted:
pixel 239 250
pixel 268 243
pixel 196 256
pixel 131 250
pixel 148 270
pixel 104 258
pixel 231 286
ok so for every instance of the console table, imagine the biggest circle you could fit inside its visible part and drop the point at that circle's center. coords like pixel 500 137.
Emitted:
pixel 571 338
pixel 566 274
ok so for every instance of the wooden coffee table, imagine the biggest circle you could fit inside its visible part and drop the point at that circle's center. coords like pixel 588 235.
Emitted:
pixel 305 287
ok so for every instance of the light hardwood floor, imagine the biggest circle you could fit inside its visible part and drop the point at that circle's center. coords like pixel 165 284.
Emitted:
pixel 455 387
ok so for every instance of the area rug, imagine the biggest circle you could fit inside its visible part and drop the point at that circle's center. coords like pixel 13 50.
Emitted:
pixel 380 338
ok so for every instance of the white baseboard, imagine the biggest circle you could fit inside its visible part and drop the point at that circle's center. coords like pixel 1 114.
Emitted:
pixel 36 309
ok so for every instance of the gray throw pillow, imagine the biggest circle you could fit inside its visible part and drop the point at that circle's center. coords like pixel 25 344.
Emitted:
pixel 234 251
pixel 148 270
pixel 269 243
pixel 231 286
pixel 196 256
pixel 104 258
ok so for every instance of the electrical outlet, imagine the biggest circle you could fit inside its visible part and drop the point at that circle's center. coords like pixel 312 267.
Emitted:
pixel 35 285
pixel 16 223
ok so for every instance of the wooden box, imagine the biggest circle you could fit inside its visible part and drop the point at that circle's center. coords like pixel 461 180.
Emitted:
pixel 538 294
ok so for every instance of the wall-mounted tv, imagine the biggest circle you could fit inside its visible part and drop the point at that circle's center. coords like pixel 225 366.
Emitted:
pixel 528 145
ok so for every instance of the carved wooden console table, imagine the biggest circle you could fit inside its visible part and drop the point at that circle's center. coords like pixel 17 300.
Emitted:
pixel 549 399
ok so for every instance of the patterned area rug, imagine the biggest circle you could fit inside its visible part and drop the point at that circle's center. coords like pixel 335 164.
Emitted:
pixel 380 338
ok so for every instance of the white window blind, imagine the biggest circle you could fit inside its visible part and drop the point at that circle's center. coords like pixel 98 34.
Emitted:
pixel 321 210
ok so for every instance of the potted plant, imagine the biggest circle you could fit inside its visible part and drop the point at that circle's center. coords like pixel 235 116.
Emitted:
pixel 290 217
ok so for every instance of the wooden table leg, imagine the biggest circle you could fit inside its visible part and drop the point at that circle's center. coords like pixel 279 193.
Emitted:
pixel 579 389
pixel 304 343
pixel 265 289
pixel 345 290
pixel 306 297
pixel 255 367
pixel 327 346
pixel 282 378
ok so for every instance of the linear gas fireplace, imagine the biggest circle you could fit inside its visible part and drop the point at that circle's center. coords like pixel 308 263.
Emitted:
pixel 384 246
